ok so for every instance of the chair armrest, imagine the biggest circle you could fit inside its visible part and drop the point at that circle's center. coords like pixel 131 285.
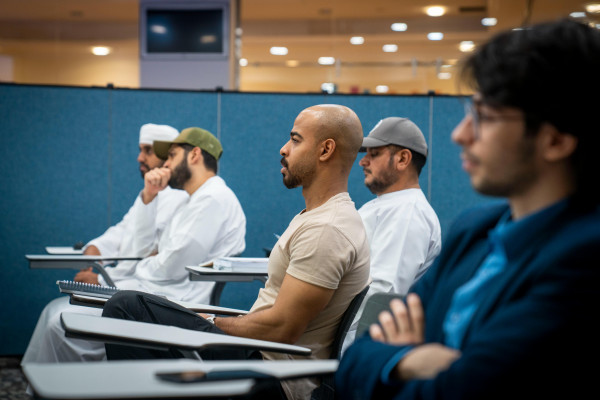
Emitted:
pixel 160 336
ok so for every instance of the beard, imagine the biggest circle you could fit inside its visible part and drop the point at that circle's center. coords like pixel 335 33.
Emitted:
pixel 180 175
pixel 298 175
pixel 382 182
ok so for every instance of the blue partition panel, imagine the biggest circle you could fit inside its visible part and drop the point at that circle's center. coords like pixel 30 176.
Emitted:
pixel 70 171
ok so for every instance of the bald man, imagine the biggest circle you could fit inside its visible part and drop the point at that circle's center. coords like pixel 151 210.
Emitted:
pixel 319 264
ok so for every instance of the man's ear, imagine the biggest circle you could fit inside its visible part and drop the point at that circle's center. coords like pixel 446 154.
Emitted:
pixel 327 149
pixel 556 145
pixel 195 156
pixel 402 159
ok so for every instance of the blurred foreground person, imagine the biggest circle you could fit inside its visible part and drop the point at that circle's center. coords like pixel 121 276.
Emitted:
pixel 507 311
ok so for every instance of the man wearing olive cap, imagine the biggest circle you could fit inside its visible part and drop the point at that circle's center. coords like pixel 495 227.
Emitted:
pixel 403 229
pixel 211 224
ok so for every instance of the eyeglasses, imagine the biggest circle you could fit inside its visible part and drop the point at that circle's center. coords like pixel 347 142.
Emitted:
pixel 472 109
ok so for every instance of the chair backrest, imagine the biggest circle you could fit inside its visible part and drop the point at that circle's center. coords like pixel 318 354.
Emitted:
pixel 375 304
pixel 326 390
pixel 345 323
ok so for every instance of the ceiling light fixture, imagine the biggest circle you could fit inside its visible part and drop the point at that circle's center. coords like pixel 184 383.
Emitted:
pixel 279 50
pixel 243 62
pixel 356 40
pixel 466 46
pixel 593 8
pixel 489 21
pixel 390 48
pixel 444 75
pixel 101 50
pixel 577 14
pixel 382 89
pixel 435 36
pixel 435 11
pixel 399 27
pixel 326 60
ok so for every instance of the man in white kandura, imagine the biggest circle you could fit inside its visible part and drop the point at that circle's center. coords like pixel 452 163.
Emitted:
pixel 404 231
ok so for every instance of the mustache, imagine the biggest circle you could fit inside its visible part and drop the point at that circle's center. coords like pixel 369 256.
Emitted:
pixel 145 165
pixel 284 162
pixel 366 170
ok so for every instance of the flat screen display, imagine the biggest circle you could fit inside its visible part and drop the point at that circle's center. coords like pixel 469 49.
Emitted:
pixel 184 30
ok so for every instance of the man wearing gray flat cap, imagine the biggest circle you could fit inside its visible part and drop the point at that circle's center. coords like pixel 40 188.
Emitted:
pixel 403 230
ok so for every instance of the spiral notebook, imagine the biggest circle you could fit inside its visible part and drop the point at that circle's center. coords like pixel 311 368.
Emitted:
pixel 86 289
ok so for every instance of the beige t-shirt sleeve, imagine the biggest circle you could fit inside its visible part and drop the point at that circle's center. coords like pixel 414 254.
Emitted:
pixel 319 255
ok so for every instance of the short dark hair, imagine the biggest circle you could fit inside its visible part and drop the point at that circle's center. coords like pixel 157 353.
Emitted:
pixel 418 160
pixel 210 162
pixel 547 71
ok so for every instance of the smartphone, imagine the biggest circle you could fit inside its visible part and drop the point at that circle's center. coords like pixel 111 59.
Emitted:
pixel 206 376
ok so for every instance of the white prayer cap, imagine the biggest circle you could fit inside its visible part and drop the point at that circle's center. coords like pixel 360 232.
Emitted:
pixel 151 132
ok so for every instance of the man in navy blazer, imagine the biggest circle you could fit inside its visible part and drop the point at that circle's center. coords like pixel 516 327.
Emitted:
pixel 509 308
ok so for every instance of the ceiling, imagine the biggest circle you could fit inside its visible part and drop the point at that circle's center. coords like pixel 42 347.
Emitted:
pixel 54 33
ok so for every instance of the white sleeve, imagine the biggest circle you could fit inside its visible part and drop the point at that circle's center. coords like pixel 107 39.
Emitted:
pixel 188 239
pixel 399 249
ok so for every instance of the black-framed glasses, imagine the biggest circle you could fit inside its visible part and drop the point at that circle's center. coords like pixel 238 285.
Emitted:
pixel 472 109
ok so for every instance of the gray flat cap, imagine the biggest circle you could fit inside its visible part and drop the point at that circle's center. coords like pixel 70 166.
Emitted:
pixel 399 131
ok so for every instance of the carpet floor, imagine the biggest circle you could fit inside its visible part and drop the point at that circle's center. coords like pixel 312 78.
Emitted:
pixel 12 381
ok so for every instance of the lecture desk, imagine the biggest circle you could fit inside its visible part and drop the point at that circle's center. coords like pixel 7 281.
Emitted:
pixel 77 262
pixel 142 379
pixel 221 277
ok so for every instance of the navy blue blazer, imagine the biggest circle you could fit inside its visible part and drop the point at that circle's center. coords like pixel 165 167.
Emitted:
pixel 532 337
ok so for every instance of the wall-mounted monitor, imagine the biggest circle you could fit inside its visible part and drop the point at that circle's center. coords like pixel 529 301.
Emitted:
pixel 184 30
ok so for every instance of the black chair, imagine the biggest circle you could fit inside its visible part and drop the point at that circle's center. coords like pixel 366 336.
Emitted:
pixel 326 390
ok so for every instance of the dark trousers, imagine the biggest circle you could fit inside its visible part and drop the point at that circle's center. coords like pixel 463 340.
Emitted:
pixel 144 307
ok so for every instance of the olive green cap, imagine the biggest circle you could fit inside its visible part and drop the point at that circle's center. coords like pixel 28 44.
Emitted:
pixel 196 137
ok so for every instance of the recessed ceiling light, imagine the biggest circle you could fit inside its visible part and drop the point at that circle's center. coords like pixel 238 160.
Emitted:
pixel 390 48
pixel 292 63
pixel 577 14
pixel 357 40
pixel 489 21
pixel 243 62
pixel 435 11
pixel 101 50
pixel 399 27
pixel 444 75
pixel 326 60
pixel 593 8
pixel 279 50
pixel 382 89
pixel 435 36
pixel 466 46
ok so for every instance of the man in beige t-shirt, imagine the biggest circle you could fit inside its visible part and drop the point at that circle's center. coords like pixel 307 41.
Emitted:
pixel 319 264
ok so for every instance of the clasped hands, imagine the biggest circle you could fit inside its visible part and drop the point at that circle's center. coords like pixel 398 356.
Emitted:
pixel 405 325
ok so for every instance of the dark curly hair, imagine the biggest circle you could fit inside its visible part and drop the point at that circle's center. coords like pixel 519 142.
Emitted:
pixel 550 72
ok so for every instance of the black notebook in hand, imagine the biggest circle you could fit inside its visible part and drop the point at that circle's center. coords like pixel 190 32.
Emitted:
pixel 86 289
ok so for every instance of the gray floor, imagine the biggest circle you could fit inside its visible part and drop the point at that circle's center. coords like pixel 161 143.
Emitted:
pixel 12 381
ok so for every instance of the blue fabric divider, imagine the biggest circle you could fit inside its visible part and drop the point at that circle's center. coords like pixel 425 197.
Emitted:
pixel 70 171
